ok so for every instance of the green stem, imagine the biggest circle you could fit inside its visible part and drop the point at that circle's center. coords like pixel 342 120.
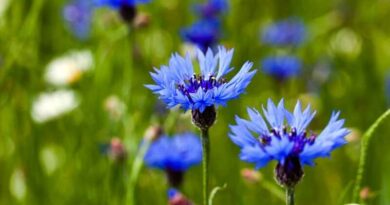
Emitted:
pixel 205 163
pixel 364 147
pixel 129 71
pixel 138 162
pixel 290 196
pixel 273 188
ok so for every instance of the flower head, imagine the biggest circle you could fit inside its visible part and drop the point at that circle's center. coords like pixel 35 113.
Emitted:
pixel 127 8
pixel 175 155
pixel 178 84
pixel 52 105
pixel 286 32
pixel 204 33
pixel 115 150
pixel 282 67
pixel 116 4
pixel 290 144
pixel 212 8
pixel 68 69
pixel 77 15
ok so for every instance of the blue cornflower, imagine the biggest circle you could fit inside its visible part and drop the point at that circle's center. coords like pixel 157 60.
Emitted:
pixel 282 67
pixel 178 84
pixel 204 33
pixel 289 144
pixel 175 155
pixel 126 8
pixel 212 8
pixel 117 4
pixel 286 32
pixel 78 14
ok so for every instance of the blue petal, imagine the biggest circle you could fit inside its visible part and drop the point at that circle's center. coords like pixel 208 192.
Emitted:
pixel 254 154
pixel 275 115
pixel 177 153
pixel 258 124
pixel 225 57
pixel 279 149
pixel 332 137
pixel 240 135
pixel 300 120
pixel 207 63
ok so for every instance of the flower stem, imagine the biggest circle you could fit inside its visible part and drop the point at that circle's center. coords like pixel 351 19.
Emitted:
pixel 205 163
pixel 290 195
pixel 137 165
pixel 273 189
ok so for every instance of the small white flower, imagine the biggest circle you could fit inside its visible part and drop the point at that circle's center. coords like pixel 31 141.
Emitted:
pixel 68 69
pixel 53 104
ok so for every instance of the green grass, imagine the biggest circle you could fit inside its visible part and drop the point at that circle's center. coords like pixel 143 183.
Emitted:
pixel 32 33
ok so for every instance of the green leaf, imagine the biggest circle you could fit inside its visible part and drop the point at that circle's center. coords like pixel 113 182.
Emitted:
pixel 364 147
pixel 215 191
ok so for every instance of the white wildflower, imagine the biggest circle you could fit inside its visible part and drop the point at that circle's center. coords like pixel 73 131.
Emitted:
pixel 53 104
pixel 68 69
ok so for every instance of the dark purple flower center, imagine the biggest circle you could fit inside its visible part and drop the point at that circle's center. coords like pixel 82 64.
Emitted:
pixel 199 82
pixel 299 140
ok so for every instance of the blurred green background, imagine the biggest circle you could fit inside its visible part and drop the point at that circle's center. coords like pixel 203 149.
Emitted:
pixel 60 161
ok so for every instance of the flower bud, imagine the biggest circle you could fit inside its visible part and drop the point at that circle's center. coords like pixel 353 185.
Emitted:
pixel 141 20
pixel 175 178
pixel 289 173
pixel 250 175
pixel 153 132
pixel 204 120
pixel 127 13
pixel 354 136
pixel 117 151
pixel 176 198
pixel 366 193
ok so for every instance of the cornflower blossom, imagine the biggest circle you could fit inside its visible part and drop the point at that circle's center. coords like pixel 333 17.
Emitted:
pixel 127 8
pixel 175 155
pixel 204 33
pixel 178 84
pixel 285 33
pixel 211 8
pixel 78 14
pixel 282 67
pixel 291 145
